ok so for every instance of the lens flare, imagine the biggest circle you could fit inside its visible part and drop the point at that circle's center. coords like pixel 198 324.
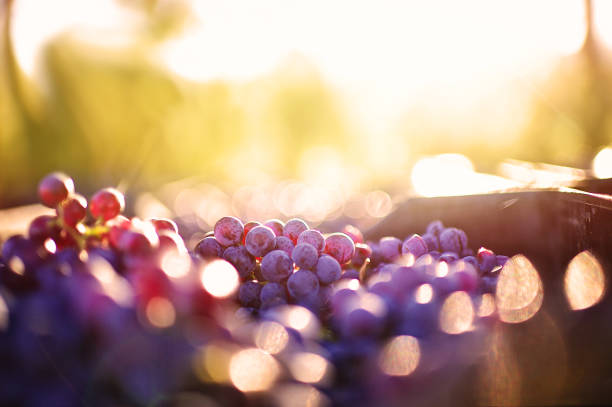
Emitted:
pixel 400 356
pixel 457 313
pixel 519 293
pixel 220 278
pixel 308 367
pixel 253 370
pixel 602 163
pixel 585 281
pixel 160 312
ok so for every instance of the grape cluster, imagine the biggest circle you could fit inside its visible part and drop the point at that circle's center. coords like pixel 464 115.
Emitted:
pixel 97 308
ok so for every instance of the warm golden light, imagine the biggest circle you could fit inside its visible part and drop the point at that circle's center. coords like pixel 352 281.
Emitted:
pixel 373 304
pixel 220 278
pixel 299 395
pixel 602 163
pixel 353 284
pixel 4 314
pixel 253 370
pixel 519 293
pixel 457 313
pixel 442 269
pixel 175 264
pixel 213 361
pixel 16 265
pixel 400 356
pixel 160 312
pixel 113 285
pixel 424 294
pixel 50 245
pixel 271 337
pixel 308 367
pixel 584 281
pixel 486 306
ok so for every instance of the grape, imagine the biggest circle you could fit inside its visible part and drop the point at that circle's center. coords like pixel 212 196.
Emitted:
pixel 467 252
pixel 259 241
pixel 107 203
pixel 340 247
pixel 390 247
pixel 283 243
pixel 228 231
pixel 467 280
pixel 247 228
pixel 249 293
pixel 314 238
pixel 501 260
pixel 449 257
pixel 435 227
pixel 276 266
pixel 328 269
pixel 414 245
pixel 135 242
pixel 376 257
pixel 54 188
pixel 74 209
pixel 164 224
pixel 293 228
pixel 431 241
pixel 305 256
pixel 361 322
pixel 453 240
pixel 354 233
pixel 302 284
pixel 272 290
pixel 362 253
pixel 486 259
pixel 276 225
pixel 43 227
pixel 208 248
pixel 472 260
pixel 240 258
pixel 170 240
pixel 350 274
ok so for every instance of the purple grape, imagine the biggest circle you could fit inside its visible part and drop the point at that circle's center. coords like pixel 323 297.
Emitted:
pixel 361 323
pixel 303 283
pixel 271 291
pixel 305 256
pixel 472 260
pixel 276 225
pixel 249 293
pixel 247 228
pixel 390 248
pixel 276 266
pixel 340 247
pixel 501 260
pixel 415 245
pixel 314 238
pixel 240 258
pixel 293 228
pixel 209 248
pixel 259 241
pixel 449 257
pixel 431 241
pixel 453 240
pixel 466 280
pixel 228 231
pixel 283 243
pixel 486 259
pixel 467 252
pixel 350 274
pixel 435 228
pixel 328 269
pixel 354 233
pixel 54 188
pixel 376 257
pixel 362 253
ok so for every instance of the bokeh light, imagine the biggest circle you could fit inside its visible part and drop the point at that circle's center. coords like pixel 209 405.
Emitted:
pixel 160 312
pixel 299 395
pixel 519 293
pixel 253 370
pixel 457 313
pixel 309 367
pixel 424 294
pixel 584 281
pixel 175 264
pixel 602 163
pixel 400 356
pixel 271 337
pixel 4 314
pixel 219 278
pixel 486 307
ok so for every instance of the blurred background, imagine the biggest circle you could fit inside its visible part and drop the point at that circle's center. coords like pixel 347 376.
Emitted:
pixel 313 109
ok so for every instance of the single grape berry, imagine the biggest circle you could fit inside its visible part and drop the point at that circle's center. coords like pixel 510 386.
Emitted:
pixel 276 266
pixel 228 231
pixel 340 246
pixel 271 292
pixel 362 253
pixel 259 241
pixel 164 224
pixel 435 228
pixel 54 188
pixel 487 260
pixel 106 204
pixel 328 269
pixel 314 238
pixel 414 245
pixel 43 227
pixel 74 209
pixel 302 284
pixel 453 240
pixel 276 225
pixel 170 240
pixel 284 243
pixel 116 228
pixel 240 258
pixel 247 228
pixel 431 241
pixel 249 293
pixel 293 228
pixel 305 256
pixel 354 233
pixel 390 247
pixel 135 242
pixel 209 248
